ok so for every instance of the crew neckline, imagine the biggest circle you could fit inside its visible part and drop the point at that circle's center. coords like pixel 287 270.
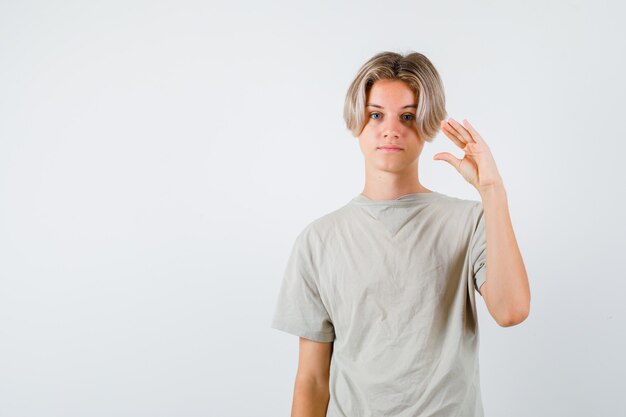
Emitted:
pixel 407 198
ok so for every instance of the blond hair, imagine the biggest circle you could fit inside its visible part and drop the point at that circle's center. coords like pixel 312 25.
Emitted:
pixel 417 72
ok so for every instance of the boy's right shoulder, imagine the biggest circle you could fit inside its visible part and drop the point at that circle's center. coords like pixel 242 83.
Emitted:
pixel 327 224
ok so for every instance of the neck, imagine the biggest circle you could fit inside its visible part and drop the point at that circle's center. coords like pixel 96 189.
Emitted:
pixel 386 185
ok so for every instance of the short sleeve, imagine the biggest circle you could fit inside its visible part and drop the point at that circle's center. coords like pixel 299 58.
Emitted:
pixel 478 251
pixel 300 309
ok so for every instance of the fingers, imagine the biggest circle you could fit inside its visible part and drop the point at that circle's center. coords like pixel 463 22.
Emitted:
pixel 452 134
pixel 462 131
pixel 473 131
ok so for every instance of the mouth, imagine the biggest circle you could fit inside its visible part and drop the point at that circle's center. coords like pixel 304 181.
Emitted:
pixel 389 149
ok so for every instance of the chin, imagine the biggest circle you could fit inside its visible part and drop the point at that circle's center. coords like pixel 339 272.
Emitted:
pixel 389 166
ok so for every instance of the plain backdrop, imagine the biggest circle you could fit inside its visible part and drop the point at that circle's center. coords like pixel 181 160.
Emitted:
pixel 158 159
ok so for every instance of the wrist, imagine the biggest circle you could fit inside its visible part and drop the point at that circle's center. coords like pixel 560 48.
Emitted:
pixel 490 190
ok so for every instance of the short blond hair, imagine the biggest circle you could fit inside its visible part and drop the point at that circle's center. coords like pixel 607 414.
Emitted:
pixel 417 72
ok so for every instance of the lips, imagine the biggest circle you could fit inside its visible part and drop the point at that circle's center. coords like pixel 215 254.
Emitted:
pixel 389 147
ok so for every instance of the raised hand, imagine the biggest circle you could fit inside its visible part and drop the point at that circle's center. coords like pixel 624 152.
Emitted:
pixel 477 166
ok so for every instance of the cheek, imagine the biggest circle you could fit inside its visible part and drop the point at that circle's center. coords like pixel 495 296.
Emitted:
pixel 367 129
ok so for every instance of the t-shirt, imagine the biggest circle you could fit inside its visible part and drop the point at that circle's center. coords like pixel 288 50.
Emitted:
pixel 391 283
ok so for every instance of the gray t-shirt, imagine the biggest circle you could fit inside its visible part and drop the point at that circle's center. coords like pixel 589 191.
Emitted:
pixel 391 283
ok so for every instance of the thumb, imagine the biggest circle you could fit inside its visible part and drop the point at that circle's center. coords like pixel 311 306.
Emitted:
pixel 449 158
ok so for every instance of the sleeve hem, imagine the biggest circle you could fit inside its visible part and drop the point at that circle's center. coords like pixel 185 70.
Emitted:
pixel 481 278
pixel 316 336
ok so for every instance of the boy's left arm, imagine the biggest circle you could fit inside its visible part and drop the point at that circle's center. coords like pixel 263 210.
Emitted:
pixel 506 290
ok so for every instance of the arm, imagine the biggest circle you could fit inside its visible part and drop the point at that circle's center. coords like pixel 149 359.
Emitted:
pixel 311 388
pixel 506 291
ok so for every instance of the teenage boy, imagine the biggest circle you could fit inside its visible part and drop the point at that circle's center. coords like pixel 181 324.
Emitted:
pixel 381 291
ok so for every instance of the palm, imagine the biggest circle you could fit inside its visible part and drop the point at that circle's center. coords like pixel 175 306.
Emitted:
pixel 467 168
pixel 477 166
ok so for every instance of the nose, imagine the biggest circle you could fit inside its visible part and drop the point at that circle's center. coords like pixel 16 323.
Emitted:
pixel 391 129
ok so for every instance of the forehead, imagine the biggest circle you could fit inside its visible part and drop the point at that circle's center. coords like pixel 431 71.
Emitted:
pixel 391 93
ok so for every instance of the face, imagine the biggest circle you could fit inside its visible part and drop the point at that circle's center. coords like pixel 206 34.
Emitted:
pixel 390 122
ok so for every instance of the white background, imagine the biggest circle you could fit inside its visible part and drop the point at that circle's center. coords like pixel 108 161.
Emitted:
pixel 157 160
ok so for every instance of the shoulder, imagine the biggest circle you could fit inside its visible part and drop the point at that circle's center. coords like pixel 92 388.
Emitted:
pixel 324 226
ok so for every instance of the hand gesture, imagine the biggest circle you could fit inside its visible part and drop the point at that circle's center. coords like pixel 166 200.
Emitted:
pixel 477 166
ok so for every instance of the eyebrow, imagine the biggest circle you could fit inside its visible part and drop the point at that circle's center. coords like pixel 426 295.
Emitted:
pixel 381 107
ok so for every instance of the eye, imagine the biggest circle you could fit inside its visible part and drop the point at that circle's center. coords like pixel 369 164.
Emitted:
pixel 411 117
pixel 371 114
